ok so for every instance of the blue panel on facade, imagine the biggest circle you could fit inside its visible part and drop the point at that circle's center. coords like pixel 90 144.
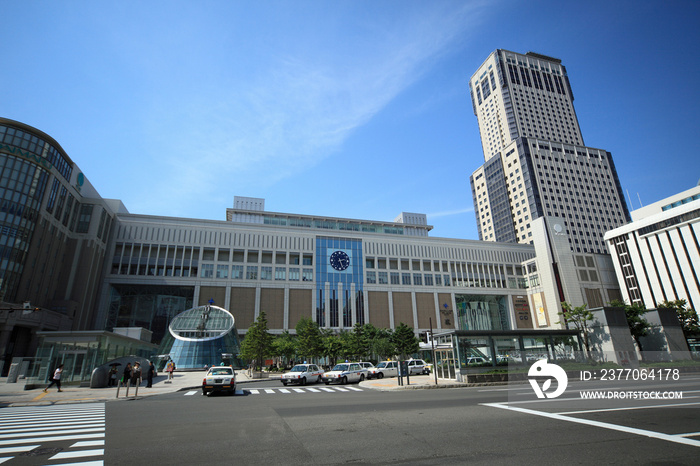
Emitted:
pixel 339 264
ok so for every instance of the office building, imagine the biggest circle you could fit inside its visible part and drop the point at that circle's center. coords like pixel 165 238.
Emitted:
pixel 54 229
pixel 536 163
pixel 657 255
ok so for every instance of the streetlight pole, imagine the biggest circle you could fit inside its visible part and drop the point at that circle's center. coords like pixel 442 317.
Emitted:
pixel 432 343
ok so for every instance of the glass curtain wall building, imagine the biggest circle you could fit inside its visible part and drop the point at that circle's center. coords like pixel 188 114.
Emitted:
pixel 202 336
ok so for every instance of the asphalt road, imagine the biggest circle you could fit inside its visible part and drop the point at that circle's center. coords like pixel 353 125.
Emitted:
pixel 426 427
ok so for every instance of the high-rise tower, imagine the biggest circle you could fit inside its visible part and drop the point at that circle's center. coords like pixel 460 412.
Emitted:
pixel 536 163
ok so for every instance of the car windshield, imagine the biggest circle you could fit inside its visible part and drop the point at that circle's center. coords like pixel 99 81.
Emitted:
pixel 223 371
pixel 298 368
pixel 381 365
pixel 341 367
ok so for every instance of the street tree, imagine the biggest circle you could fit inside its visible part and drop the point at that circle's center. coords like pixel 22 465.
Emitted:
pixel 580 317
pixel 360 342
pixel 309 341
pixel 687 316
pixel 405 341
pixel 332 347
pixel 636 322
pixel 257 344
pixel 284 346
pixel 378 342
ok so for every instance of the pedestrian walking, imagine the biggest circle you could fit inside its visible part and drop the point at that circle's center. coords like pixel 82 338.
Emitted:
pixel 136 375
pixel 55 379
pixel 126 377
pixel 170 368
pixel 149 375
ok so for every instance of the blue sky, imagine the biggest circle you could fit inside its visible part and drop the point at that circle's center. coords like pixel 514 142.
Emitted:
pixel 354 109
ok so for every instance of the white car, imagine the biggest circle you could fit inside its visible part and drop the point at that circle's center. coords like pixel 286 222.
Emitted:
pixel 219 379
pixel 369 366
pixel 344 373
pixel 384 369
pixel 417 366
pixel 302 374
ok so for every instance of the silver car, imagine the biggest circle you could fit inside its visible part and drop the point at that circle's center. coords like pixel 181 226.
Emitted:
pixel 345 372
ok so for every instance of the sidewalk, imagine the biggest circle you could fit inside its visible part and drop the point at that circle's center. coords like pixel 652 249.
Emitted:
pixel 14 394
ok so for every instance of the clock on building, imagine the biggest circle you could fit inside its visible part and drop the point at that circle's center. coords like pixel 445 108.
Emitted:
pixel 340 260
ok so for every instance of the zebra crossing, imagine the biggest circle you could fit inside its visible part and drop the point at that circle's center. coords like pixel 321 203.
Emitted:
pixel 289 390
pixel 62 434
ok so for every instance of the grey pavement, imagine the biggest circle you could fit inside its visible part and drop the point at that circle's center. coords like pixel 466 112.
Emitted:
pixel 14 394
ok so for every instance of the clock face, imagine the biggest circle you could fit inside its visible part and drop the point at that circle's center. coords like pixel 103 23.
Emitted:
pixel 340 260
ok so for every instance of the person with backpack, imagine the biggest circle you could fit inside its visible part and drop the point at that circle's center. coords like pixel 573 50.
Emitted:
pixel 55 379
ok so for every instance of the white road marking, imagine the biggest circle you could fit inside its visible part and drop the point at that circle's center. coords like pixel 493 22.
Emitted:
pixel 85 463
pixel 628 408
pixel 54 439
pixel 254 392
pixel 299 390
pixel 18 449
pixel 326 389
pixel 284 390
pixel 355 388
pixel 604 425
pixel 269 390
pixel 89 443
pixel 190 393
pixel 90 419
pixel 340 389
pixel 314 390
pixel 77 454
pixel 60 432
pixel 48 429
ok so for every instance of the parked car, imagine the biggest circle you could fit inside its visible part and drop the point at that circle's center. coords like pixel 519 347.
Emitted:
pixel 384 369
pixel 475 360
pixel 369 366
pixel 417 366
pixel 344 373
pixel 302 373
pixel 219 379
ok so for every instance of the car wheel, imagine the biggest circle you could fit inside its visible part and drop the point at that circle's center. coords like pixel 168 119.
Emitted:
pixel 204 393
pixel 303 380
pixel 344 381
pixel 380 375
pixel 362 377
pixel 284 383
pixel 327 383
pixel 319 379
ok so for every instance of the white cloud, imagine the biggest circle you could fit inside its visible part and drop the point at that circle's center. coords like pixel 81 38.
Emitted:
pixel 447 213
pixel 300 111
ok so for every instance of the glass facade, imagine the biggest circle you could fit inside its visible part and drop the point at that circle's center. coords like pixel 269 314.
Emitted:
pixel 152 307
pixel 482 312
pixel 202 336
pixel 80 353
pixel 342 282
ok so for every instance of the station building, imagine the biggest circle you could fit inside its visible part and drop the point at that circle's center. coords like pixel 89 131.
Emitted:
pixel 335 271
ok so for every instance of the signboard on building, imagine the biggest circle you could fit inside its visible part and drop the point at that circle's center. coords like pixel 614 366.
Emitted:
pixel 521 306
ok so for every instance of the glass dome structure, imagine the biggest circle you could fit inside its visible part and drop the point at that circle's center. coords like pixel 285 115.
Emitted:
pixel 202 336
